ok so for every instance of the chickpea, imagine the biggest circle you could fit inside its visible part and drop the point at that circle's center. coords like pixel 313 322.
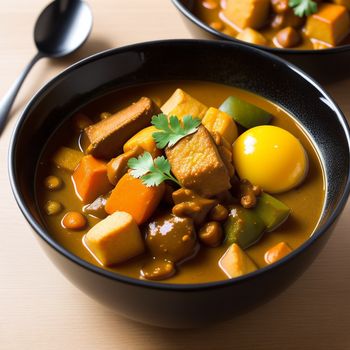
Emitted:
pixel 211 234
pixel 288 37
pixel 52 207
pixel 218 213
pixel 158 270
pixel 105 115
pixel 53 183
pixel 74 220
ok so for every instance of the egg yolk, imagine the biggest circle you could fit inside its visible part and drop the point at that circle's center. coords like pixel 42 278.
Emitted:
pixel 270 157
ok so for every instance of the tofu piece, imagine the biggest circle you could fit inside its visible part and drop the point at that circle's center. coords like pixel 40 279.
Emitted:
pixel 196 163
pixel 345 3
pixel 250 35
pixel 330 24
pixel 235 262
pixel 247 13
pixel 180 104
pixel 67 158
pixel 220 122
pixel 106 138
pixel 115 239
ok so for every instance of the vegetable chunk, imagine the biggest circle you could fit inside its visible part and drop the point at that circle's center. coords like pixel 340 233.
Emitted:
pixel 115 239
pixel 67 158
pixel 235 262
pixel 106 138
pixel 181 104
pixel 220 122
pixel 329 24
pixel 196 163
pixel 250 35
pixel 277 252
pixel 247 13
pixel 90 179
pixel 132 196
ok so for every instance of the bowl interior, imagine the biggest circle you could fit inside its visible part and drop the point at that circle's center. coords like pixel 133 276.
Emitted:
pixel 221 62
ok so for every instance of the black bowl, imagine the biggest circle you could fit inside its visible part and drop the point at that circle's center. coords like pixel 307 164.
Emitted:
pixel 326 65
pixel 186 305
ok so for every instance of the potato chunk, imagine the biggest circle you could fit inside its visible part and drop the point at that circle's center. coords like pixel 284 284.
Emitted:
pixel 220 122
pixel 329 24
pixel 196 163
pixel 247 13
pixel 67 158
pixel 235 262
pixel 115 239
pixel 180 104
pixel 250 35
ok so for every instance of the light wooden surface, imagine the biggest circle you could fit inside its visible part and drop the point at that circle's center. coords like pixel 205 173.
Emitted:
pixel 39 309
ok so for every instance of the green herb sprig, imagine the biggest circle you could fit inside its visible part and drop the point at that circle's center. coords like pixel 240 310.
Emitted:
pixel 151 172
pixel 303 7
pixel 171 130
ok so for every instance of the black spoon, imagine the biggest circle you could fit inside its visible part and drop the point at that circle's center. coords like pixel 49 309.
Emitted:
pixel 61 28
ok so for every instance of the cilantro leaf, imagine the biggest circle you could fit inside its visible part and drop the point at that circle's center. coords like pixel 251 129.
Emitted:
pixel 171 131
pixel 151 172
pixel 303 7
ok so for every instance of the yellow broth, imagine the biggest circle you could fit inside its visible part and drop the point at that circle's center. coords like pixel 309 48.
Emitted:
pixel 306 202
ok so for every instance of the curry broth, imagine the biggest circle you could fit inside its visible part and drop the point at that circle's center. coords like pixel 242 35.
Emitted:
pixel 306 202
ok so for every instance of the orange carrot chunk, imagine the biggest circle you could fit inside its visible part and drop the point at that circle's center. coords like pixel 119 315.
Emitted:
pixel 90 179
pixel 277 252
pixel 132 196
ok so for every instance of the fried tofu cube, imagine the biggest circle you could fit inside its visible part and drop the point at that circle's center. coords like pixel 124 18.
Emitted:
pixel 115 239
pixel 329 24
pixel 345 3
pixel 180 104
pixel 250 35
pixel 220 122
pixel 247 13
pixel 235 262
pixel 67 158
pixel 196 163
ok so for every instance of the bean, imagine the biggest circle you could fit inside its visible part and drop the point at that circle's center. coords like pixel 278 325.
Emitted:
pixel 52 207
pixel 53 183
pixel 211 234
pixel 218 213
pixel 74 220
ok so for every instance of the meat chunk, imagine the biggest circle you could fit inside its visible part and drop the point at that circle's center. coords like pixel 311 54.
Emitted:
pixel 196 163
pixel 329 24
pixel 106 138
pixel 247 13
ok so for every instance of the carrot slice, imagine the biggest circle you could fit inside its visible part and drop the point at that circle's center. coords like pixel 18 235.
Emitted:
pixel 277 252
pixel 132 196
pixel 90 179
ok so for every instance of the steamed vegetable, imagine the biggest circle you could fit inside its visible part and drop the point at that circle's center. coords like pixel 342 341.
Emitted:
pixel 244 113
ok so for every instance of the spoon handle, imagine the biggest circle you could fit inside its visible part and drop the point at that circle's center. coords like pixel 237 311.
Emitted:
pixel 7 101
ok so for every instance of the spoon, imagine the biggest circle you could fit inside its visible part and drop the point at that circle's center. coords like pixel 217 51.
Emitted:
pixel 62 27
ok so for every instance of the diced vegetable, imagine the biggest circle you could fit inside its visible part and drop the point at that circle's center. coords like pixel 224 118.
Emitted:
pixel 52 207
pixel 247 13
pixel 67 158
pixel 97 207
pixel 244 113
pixel 288 37
pixel 243 227
pixel 181 104
pixel 132 196
pixel 90 179
pixel 106 138
pixel 115 239
pixel 118 166
pixel 277 252
pixel 74 220
pixel 220 122
pixel 271 211
pixel 329 24
pixel 53 183
pixel 144 140
pixel 196 163
pixel 235 262
pixel 252 36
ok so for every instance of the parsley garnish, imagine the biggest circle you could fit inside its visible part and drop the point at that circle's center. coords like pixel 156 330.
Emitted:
pixel 151 172
pixel 303 7
pixel 171 130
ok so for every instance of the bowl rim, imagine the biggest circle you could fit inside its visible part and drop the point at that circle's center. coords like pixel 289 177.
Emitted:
pixel 199 23
pixel 45 236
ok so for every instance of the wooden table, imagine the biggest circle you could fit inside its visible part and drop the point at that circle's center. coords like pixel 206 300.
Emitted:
pixel 39 309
